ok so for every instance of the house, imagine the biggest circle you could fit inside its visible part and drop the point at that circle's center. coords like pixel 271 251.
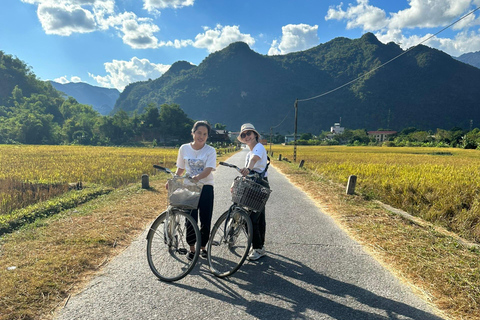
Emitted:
pixel 219 136
pixel 336 129
pixel 381 136
pixel 289 138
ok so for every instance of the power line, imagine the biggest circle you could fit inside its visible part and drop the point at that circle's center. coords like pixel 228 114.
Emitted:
pixel 275 127
pixel 364 75
pixel 382 65
pixel 281 122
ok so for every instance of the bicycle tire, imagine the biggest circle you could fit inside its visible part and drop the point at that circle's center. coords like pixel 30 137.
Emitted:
pixel 230 242
pixel 167 246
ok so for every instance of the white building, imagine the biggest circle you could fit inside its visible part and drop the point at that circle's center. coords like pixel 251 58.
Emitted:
pixel 336 129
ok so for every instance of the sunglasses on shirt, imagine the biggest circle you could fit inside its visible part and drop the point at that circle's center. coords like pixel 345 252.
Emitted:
pixel 246 133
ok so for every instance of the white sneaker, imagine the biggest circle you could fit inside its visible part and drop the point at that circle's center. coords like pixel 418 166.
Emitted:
pixel 256 254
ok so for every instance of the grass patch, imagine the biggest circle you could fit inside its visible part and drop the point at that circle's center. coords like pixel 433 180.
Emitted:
pixel 43 263
pixel 15 194
pixel 55 255
pixel 441 269
pixel 439 185
pixel 71 199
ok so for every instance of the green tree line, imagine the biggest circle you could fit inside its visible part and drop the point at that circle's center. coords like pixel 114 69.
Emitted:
pixel 33 112
pixel 408 137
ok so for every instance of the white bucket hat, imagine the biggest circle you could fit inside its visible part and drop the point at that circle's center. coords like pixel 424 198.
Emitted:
pixel 247 127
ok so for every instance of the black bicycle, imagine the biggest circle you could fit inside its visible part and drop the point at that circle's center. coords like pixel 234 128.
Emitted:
pixel 173 229
pixel 231 235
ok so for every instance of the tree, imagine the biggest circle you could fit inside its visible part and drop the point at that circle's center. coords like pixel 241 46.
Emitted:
pixel 220 126
pixel 176 126
pixel 471 140
pixel 151 117
pixel 306 136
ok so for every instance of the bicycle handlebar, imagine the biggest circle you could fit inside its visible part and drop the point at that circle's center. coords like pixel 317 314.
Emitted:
pixel 156 166
pixel 229 165
pixel 251 173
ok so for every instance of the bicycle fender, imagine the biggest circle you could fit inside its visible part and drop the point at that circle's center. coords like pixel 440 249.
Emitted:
pixel 150 230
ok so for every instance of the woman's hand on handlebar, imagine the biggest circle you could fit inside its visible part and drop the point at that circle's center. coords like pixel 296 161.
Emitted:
pixel 245 171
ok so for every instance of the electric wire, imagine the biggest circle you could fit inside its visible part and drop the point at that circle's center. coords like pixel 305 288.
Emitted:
pixel 398 56
pixel 382 65
pixel 282 121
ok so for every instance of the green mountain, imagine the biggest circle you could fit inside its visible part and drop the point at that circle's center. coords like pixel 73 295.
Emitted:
pixel 472 58
pixel 423 88
pixel 101 99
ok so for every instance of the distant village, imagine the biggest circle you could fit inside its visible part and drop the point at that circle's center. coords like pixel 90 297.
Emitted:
pixel 225 136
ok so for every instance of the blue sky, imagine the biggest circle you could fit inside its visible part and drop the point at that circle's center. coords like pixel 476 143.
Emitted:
pixel 112 43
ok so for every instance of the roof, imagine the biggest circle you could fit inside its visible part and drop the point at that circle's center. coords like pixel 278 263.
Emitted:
pixel 382 132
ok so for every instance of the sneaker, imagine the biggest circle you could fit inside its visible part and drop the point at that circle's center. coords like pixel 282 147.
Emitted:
pixel 256 254
pixel 204 253
pixel 190 256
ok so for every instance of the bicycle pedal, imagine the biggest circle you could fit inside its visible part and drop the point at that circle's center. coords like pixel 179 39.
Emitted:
pixel 215 243
pixel 182 251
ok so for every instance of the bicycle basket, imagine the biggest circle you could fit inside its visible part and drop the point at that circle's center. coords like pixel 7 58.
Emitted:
pixel 250 194
pixel 184 193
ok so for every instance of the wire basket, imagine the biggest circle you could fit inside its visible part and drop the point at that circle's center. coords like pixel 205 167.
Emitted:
pixel 184 193
pixel 250 194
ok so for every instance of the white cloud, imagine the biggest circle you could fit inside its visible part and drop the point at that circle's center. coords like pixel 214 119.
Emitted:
pixel 153 5
pixel 362 15
pixel 463 42
pixel 64 20
pixel 82 16
pixel 64 79
pixel 137 32
pixel 122 73
pixel 421 14
pixel 295 38
pixel 220 37
pixel 429 14
pixel 177 44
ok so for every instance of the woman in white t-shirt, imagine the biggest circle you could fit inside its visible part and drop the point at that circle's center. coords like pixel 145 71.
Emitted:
pixel 256 160
pixel 199 160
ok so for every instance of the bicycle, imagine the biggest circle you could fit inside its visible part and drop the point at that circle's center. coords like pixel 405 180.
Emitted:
pixel 169 234
pixel 232 233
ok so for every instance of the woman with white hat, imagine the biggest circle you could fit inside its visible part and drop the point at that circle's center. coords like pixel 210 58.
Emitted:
pixel 256 160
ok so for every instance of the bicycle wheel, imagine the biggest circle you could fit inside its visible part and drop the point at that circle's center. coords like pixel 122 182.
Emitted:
pixel 167 247
pixel 230 242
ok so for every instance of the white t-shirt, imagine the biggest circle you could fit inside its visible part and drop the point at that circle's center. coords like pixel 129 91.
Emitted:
pixel 195 161
pixel 260 151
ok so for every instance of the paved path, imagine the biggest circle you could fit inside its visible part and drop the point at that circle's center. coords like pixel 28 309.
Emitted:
pixel 312 270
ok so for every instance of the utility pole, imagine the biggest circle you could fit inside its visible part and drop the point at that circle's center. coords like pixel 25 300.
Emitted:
pixel 295 133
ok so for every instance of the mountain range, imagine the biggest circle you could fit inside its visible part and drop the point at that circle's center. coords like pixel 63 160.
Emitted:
pixel 363 82
pixel 472 58
pixel 101 99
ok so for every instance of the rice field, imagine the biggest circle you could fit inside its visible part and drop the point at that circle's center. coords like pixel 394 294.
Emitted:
pixel 34 174
pixel 440 185
pixel 109 166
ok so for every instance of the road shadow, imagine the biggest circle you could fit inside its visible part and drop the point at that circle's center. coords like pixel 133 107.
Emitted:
pixel 298 292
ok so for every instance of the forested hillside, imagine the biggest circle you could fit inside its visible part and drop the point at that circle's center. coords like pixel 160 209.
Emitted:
pixel 33 112
pixel 424 88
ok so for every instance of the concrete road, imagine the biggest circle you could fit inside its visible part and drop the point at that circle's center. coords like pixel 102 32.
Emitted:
pixel 312 270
